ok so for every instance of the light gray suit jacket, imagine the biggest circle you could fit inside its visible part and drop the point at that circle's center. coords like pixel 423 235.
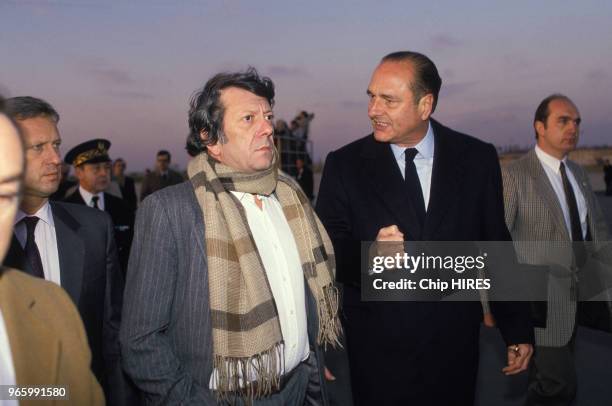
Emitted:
pixel 535 219
pixel 165 334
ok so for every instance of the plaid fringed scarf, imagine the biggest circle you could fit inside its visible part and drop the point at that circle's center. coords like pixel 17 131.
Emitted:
pixel 247 339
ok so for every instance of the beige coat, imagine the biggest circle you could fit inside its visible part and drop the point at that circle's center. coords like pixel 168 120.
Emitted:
pixel 47 339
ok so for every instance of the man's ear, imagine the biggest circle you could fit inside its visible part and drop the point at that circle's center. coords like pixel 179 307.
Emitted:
pixel 213 150
pixel 539 127
pixel 425 106
pixel 78 172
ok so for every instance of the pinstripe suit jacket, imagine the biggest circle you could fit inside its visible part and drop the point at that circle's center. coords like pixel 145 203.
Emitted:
pixel 535 220
pixel 165 334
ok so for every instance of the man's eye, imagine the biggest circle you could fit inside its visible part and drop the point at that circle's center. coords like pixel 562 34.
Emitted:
pixel 248 118
pixel 270 117
pixel 37 147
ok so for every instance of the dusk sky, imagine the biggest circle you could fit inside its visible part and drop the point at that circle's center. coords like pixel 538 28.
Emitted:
pixel 125 70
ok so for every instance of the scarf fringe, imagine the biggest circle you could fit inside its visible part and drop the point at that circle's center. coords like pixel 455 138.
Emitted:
pixel 233 375
pixel 330 328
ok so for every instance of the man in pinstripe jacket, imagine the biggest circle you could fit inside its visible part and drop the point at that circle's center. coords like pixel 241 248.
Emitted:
pixel 549 204
pixel 204 252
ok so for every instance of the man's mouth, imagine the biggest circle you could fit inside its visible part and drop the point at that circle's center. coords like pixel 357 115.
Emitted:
pixel 380 124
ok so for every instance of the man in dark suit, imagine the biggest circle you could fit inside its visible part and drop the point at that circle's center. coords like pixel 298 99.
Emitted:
pixel 218 299
pixel 35 313
pixel 303 175
pixel 68 244
pixel 161 177
pixel 92 169
pixel 126 183
pixel 414 179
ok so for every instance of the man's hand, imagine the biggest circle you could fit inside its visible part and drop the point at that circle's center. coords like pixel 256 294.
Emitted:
pixel 390 233
pixel 391 241
pixel 488 319
pixel 518 358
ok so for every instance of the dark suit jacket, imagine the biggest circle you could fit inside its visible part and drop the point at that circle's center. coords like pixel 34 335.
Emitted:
pixel 153 182
pixel 128 192
pixel 41 323
pixel 90 274
pixel 421 343
pixel 166 337
pixel 123 221
pixel 306 182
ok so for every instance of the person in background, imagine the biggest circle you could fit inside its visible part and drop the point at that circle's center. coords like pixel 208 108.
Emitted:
pixel 161 177
pixel 126 183
pixel 549 198
pixel 92 168
pixel 303 174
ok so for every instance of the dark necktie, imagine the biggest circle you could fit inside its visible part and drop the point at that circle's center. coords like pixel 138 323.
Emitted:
pixel 570 198
pixel 411 178
pixel 31 249
pixel 94 200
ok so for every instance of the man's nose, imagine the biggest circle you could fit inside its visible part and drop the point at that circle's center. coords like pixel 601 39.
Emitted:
pixel 266 129
pixel 54 156
pixel 374 107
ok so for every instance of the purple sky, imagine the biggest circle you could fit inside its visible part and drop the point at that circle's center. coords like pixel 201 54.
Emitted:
pixel 125 70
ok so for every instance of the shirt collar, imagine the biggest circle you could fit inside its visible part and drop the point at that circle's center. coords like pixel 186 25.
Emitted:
pixel 425 147
pixel 549 160
pixel 44 214
pixel 87 196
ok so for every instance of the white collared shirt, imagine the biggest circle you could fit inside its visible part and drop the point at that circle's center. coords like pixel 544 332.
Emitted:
pixel 46 240
pixel 423 161
pixel 88 196
pixel 7 368
pixel 279 255
pixel 552 166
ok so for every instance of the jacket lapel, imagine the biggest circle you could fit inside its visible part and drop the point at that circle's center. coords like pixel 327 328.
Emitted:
pixel 445 179
pixel 34 345
pixel 70 250
pixel 546 192
pixel 381 171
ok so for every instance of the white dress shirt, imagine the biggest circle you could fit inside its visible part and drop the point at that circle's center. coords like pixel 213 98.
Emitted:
pixel 87 196
pixel 7 368
pixel 46 240
pixel 423 161
pixel 552 167
pixel 281 260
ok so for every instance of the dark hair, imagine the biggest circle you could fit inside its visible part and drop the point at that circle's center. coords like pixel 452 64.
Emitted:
pixel 164 152
pixel 542 112
pixel 206 110
pixel 24 107
pixel 426 77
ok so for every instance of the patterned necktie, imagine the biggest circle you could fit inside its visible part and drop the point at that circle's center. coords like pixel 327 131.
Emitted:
pixel 570 198
pixel 411 179
pixel 31 249
pixel 94 200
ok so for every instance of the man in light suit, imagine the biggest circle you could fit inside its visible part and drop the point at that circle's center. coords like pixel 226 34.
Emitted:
pixel 549 199
pixel 217 297
pixel 414 179
pixel 38 321
pixel 70 245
